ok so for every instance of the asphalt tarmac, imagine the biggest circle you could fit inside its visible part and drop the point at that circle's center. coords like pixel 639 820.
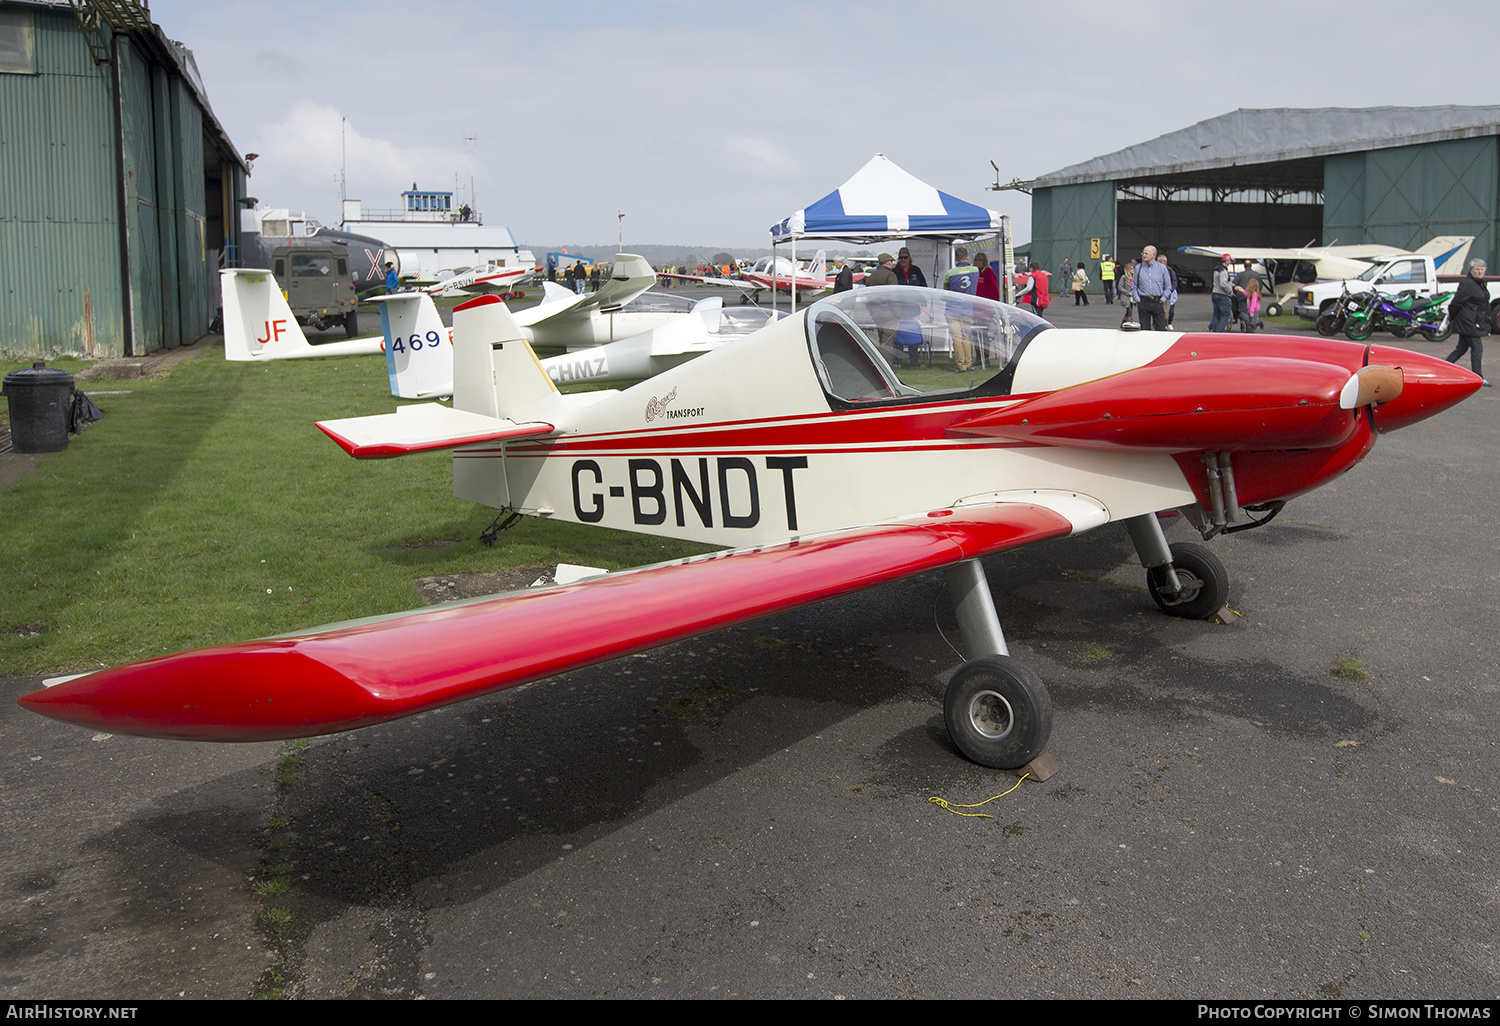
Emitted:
pixel 1302 803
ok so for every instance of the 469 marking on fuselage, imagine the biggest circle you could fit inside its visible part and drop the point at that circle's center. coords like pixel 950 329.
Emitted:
pixel 416 343
pixel 686 487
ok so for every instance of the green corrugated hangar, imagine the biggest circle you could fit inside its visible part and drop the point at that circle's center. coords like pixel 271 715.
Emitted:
pixel 1392 176
pixel 119 190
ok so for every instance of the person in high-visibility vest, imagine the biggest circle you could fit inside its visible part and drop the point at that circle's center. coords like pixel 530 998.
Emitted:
pixel 1107 276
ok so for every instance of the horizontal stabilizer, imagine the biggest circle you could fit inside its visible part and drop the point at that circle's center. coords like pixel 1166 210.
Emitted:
pixel 421 428
pixel 363 672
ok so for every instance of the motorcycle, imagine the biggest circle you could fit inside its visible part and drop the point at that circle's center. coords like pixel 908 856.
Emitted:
pixel 1331 321
pixel 1403 316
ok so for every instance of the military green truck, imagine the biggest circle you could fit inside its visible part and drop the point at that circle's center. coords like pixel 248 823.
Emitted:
pixel 317 285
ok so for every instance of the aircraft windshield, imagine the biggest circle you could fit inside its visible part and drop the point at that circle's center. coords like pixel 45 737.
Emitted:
pixel 893 342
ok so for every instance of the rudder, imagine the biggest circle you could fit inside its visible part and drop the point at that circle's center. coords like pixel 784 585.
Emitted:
pixel 258 323
pixel 418 348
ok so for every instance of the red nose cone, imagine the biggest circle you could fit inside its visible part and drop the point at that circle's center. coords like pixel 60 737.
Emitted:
pixel 1429 386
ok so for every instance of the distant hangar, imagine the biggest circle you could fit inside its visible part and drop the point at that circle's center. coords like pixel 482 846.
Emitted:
pixel 1329 176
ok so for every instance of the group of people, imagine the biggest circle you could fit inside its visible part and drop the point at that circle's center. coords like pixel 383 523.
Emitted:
pixel 1236 297
pixel 1076 279
pixel 577 278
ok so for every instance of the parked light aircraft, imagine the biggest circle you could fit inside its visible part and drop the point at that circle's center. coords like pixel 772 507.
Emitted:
pixel 1448 253
pixel 773 273
pixel 606 343
pixel 824 470
pixel 489 277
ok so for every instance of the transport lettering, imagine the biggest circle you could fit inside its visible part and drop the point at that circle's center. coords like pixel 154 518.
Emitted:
pixel 702 488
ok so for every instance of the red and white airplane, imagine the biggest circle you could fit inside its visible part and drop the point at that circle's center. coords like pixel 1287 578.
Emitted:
pixel 488 277
pixel 773 273
pixel 823 470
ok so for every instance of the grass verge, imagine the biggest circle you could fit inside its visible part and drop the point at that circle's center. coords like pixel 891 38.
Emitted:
pixel 206 508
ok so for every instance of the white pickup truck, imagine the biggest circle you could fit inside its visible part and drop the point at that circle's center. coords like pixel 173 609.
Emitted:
pixel 1391 276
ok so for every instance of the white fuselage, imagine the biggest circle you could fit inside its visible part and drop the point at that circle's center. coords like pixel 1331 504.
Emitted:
pixel 741 447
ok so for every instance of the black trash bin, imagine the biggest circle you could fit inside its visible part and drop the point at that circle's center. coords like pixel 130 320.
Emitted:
pixel 39 402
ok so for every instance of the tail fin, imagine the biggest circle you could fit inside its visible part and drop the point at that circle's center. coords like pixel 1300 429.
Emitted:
pixel 258 324
pixel 628 277
pixel 495 373
pixel 553 294
pixel 819 268
pixel 418 348
pixel 711 310
pixel 1448 252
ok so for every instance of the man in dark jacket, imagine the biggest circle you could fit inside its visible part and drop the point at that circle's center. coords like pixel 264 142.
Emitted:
pixel 1470 314
pixel 908 273
pixel 845 280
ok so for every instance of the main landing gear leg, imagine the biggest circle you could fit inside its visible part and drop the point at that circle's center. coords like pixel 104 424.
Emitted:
pixel 998 712
pixel 1184 580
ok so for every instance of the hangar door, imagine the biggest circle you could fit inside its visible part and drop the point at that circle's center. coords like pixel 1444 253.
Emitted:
pixel 1064 221
pixel 1404 195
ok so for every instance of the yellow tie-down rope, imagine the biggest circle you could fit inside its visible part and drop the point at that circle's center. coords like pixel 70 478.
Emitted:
pixel 946 804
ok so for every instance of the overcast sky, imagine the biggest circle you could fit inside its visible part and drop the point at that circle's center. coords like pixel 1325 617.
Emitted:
pixel 704 122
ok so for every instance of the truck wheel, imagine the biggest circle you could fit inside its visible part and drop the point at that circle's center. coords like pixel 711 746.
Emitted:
pixel 351 324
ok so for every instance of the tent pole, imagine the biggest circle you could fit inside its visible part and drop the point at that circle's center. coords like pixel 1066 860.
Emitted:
pixel 794 274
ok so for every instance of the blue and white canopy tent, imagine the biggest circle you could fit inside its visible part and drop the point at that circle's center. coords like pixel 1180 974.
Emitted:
pixel 883 202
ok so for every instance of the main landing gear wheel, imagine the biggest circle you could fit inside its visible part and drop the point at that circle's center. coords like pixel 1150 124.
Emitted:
pixel 998 712
pixel 1273 309
pixel 1205 583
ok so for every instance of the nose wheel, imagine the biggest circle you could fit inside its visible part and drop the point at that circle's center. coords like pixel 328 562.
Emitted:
pixel 1203 583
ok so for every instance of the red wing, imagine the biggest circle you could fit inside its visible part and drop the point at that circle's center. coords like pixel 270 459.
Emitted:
pixel 353 675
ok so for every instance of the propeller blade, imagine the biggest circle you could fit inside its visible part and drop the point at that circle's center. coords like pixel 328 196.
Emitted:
pixel 1371 385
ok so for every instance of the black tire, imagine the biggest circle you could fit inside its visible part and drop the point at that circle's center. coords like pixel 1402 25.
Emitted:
pixel 998 712
pixel 1205 583
pixel 351 324
pixel 744 299
pixel 1357 329
pixel 1495 318
pixel 1273 310
pixel 1330 322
